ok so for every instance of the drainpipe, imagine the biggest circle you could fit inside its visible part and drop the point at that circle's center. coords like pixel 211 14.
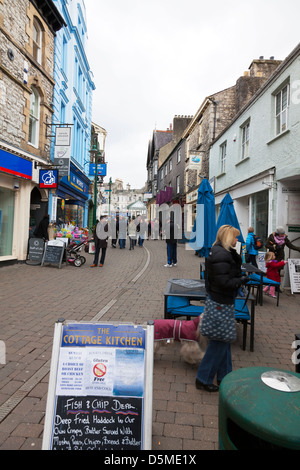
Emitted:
pixel 215 103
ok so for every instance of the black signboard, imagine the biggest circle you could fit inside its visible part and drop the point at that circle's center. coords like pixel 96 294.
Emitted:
pixel 35 251
pixel 97 423
pixel 53 254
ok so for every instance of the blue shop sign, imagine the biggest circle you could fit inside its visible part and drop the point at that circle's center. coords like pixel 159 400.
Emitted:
pixel 14 165
pixel 101 169
pixel 89 335
pixel 75 183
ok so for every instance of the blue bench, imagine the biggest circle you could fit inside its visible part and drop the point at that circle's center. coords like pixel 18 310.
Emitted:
pixel 255 280
pixel 180 306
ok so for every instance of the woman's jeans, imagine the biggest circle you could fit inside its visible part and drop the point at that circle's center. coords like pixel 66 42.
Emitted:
pixel 172 253
pixel 217 361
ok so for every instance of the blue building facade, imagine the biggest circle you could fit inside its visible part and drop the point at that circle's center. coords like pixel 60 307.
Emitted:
pixel 72 105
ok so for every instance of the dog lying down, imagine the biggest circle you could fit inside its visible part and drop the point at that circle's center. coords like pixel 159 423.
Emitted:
pixel 187 332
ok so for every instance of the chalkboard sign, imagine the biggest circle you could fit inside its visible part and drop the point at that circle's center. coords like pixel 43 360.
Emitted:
pixel 93 423
pixel 100 387
pixel 35 251
pixel 53 254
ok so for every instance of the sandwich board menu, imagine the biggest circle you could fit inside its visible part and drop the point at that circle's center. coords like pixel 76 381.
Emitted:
pixel 100 388
pixel 54 252
pixel 294 271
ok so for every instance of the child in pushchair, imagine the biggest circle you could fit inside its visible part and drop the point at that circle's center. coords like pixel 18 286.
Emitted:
pixel 73 252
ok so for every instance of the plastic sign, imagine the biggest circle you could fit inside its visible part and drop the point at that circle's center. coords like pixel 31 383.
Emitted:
pixel 48 179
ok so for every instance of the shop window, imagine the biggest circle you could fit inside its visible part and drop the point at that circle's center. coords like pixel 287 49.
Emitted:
pixel 7 205
pixel 34 117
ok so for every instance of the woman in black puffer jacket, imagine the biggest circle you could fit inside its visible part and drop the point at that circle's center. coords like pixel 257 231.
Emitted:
pixel 223 279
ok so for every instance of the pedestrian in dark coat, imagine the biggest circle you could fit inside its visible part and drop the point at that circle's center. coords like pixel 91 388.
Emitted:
pixel 223 279
pixel 101 234
pixel 42 230
pixel 171 240
pixel 277 241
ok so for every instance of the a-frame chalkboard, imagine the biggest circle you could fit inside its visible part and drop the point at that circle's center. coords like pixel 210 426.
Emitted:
pixel 53 254
pixel 100 388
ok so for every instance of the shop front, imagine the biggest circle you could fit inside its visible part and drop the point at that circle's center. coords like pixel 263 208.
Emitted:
pixel 72 195
pixel 16 174
pixel 255 202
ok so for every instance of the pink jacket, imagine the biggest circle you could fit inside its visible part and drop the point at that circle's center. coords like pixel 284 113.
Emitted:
pixel 175 329
pixel 273 267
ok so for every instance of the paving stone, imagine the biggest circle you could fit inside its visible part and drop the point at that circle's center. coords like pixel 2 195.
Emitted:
pixel 183 418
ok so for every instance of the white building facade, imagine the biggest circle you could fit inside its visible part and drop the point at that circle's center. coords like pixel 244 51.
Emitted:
pixel 257 157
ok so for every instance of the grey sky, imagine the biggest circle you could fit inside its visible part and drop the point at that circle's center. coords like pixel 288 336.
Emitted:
pixel 153 59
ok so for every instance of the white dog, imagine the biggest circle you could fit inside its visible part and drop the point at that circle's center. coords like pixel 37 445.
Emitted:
pixel 187 332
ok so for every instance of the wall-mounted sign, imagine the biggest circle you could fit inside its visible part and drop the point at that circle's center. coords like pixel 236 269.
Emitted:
pixel 48 179
pixel 100 387
pixel 14 165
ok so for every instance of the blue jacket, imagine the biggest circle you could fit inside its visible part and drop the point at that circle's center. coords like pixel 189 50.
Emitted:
pixel 250 244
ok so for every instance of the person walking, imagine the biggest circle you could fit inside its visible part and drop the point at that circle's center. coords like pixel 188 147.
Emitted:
pixel 122 232
pixel 132 233
pixel 250 247
pixel 142 231
pixel 223 278
pixel 171 240
pixel 101 234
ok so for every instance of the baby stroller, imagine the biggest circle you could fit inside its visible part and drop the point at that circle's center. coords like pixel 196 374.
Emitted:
pixel 73 252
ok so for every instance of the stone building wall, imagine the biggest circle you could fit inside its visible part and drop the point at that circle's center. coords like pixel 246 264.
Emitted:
pixel 19 71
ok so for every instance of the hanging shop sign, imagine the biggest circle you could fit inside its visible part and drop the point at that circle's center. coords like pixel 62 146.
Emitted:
pixel 48 179
pixel 63 165
pixel 14 165
pixel 100 387
pixel 101 169
pixel 62 150
pixel 63 137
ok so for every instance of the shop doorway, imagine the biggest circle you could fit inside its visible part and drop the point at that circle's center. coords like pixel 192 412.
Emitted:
pixel 260 214
pixel 38 209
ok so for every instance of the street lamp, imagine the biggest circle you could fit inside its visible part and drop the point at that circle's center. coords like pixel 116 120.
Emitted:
pixel 96 155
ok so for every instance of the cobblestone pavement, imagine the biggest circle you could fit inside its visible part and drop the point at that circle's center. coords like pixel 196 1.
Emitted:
pixel 129 287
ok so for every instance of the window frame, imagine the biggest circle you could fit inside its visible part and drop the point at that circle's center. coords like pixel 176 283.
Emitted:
pixel 223 156
pixel 37 45
pixel 34 118
pixel 283 111
pixel 245 140
pixel 178 184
